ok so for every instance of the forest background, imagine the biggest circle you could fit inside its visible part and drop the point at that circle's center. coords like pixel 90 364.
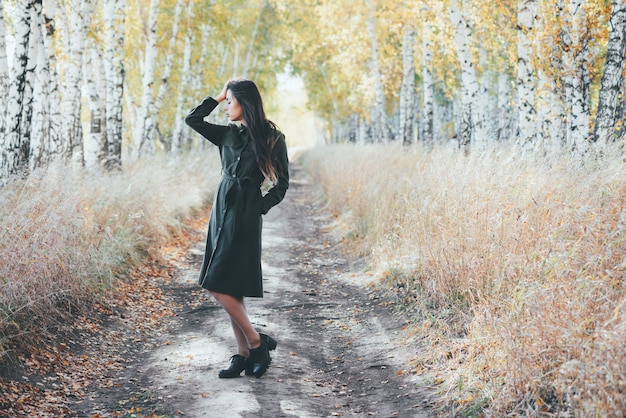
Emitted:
pixel 473 153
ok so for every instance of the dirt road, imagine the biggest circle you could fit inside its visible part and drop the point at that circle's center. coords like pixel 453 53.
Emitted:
pixel 339 351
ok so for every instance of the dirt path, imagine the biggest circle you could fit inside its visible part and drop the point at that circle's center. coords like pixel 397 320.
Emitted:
pixel 339 349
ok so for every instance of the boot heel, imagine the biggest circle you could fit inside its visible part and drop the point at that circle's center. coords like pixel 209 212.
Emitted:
pixel 271 343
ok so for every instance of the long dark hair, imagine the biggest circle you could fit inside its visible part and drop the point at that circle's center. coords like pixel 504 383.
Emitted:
pixel 263 132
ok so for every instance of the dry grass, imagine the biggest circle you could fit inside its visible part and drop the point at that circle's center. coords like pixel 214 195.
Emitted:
pixel 512 268
pixel 64 239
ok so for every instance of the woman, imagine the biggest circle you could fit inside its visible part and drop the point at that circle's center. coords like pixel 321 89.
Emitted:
pixel 252 149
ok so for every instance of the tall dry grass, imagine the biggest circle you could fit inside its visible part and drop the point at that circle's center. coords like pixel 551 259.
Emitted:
pixel 512 268
pixel 65 238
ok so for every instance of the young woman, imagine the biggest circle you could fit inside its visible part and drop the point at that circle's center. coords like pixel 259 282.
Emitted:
pixel 252 149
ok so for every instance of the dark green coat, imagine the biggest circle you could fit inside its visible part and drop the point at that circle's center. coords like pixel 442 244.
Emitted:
pixel 232 260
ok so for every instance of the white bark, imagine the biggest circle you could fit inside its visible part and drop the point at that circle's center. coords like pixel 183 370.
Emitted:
pixel 379 119
pixel 428 85
pixel 407 91
pixel 620 115
pixel 14 154
pixel 331 93
pixel 604 130
pixel 526 12
pixel 114 33
pixel 503 112
pixel 549 103
pixel 53 143
pixel 39 153
pixel 143 143
pixel 4 69
pixel 79 13
pixel 577 78
pixel 488 99
pixel 34 48
pixel 550 114
pixel 246 67
pixel 96 145
pixel 157 103
pixel 471 124
pixel 181 104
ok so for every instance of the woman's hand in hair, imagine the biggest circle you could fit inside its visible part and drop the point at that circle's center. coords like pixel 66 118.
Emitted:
pixel 222 96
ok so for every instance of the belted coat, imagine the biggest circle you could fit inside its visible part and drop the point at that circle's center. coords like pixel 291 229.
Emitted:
pixel 232 259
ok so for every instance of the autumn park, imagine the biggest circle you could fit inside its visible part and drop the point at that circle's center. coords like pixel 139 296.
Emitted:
pixel 452 242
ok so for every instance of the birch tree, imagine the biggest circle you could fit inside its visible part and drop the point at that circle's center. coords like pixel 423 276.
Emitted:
pixel 255 30
pixel 79 14
pixel 96 144
pixel 157 103
pixel 4 67
pixel 379 124
pixel 428 97
pixel 14 157
pixel 604 130
pixel 53 144
pixel 39 154
pixel 181 108
pixel 471 118
pixel 550 113
pixel 114 14
pixel 35 44
pixel 143 143
pixel 526 13
pixel 576 78
pixel 407 90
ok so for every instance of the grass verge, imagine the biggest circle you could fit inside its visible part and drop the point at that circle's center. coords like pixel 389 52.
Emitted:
pixel 510 266
pixel 67 238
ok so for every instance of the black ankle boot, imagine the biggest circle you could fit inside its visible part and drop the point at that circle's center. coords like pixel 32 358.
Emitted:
pixel 237 365
pixel 260 356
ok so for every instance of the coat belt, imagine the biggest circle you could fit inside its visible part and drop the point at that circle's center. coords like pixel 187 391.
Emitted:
pixel 241 181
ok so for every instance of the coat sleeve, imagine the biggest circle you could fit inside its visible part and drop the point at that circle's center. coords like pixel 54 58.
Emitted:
pixel 195 120
pixel 276 194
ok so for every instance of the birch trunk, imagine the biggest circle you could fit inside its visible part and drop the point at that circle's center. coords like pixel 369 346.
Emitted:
pixel 428 86
pixel 181 108
pixel 471 126
pixel 79 13
pixel 526 13
pixel 34 49
pixel 14 153
pixel 39 154
pixel 550 114
pixel 155 108
pixel 488 102
pixel 96 146
pixel 577 78
pixel 379 124
pixel 53 144
pixel 620 115
pixel 4 69
pixel 246 67
pixel 143 142
pixel 604 130
pixel 503 116
pixel 114 33
pixel 550 103
pixel 407 91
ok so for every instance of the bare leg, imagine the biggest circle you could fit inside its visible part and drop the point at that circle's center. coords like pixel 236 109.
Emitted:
pixel 242 343
pixel 247 337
